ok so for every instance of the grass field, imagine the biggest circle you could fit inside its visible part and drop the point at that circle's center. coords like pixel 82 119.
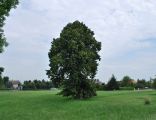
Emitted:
pixel 45 105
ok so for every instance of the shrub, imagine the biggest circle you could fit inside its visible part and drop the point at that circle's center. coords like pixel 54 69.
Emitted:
pixel 147 101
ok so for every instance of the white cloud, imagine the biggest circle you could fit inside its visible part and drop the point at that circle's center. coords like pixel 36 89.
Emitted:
pixel 121 26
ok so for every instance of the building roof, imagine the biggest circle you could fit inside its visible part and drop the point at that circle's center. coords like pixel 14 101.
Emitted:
pixel 15 82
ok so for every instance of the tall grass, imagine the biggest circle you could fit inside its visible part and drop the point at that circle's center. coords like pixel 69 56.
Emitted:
pixel 46 105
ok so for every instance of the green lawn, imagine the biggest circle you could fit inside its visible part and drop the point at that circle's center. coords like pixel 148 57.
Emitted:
pixel 45 105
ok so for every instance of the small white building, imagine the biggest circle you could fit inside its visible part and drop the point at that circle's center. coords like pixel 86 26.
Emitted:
pixel 15 84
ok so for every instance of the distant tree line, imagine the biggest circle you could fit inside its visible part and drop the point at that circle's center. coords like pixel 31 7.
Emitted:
pixel 6 84
pixel 37 85
pixel 126 83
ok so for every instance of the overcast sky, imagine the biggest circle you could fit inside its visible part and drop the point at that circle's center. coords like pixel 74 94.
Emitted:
pixel 126 28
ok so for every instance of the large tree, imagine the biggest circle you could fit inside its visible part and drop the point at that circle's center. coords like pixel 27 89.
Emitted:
pixel 74 60
pixel 5 7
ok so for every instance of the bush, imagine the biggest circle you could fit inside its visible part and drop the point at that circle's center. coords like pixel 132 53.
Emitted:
pixel 147 101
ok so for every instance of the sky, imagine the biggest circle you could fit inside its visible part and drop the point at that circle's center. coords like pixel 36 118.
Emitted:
pixel 126 29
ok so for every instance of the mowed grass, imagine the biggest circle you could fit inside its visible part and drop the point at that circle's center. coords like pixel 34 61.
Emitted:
pixel 46 105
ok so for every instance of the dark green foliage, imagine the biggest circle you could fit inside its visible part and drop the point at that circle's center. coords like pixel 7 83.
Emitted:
pixel 154 83
pixel 112 84
pixel 149 84
pixel 99 85
pixel 1 78
pixel 6 81
pixel 37 85
pixel 1 82
pixel 73 61
pixel 5 7
pixel 1 70
pixel 141 84
pixel 127 82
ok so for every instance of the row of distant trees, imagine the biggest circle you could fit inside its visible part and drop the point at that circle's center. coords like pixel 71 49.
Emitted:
pixel 5 83
pixel 126 83
pixel 37 85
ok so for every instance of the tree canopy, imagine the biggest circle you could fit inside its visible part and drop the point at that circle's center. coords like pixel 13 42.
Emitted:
pixel 73 60
pixel 5 7
pixel 126 81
